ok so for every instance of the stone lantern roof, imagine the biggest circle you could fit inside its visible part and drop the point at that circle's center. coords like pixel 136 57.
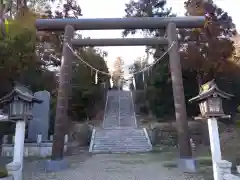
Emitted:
pixel 210 89
pixel 22 92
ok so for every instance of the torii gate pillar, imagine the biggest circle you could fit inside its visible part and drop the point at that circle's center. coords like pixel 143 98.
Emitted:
pixel 186 163
pixel 64 90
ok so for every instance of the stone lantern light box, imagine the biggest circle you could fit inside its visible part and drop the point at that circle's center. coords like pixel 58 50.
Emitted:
pixel 210 100
pixel 20 102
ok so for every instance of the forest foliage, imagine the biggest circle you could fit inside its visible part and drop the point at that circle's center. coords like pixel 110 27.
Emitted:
pixel 206 53
pixel 33 58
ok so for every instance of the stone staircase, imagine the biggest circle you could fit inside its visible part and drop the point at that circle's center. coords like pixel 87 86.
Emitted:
pixel 121 140
pixel 119 132
pixel 127 117
pixel 111 114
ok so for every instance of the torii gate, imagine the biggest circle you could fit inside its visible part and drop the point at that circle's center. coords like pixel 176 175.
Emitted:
pixel 70 25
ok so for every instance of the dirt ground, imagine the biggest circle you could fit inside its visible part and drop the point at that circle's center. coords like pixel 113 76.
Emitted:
pixel 230 145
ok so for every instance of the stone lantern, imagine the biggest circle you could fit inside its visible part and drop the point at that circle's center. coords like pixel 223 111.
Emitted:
pixel 19 102
pixel 210 104
pixel 210 100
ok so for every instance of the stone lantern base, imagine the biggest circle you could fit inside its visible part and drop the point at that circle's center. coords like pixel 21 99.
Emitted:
pixel 7 178
pixel 187 165
pixel 14 170
pixel 55 165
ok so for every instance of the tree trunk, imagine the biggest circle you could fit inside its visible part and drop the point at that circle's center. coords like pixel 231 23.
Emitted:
pixel 199 80
pixel 18 5
pixel 1 143
pixel 10 139
pixel 25 3
pixel 205 134
pixel 2 26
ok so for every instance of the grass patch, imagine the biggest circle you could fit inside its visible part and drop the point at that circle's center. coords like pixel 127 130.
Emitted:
pixel 170 165
pixel 204 161
pixel 33 158
pixel 206 172
pixel 3 172
pixel 132 162
pixel 164 149
pixel 204 164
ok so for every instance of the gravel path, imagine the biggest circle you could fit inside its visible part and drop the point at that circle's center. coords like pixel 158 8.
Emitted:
pixel 111 167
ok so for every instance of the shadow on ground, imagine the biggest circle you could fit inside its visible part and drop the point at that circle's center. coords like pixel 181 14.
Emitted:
pixel 141 166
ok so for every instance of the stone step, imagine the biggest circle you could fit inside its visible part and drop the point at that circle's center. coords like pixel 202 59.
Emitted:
pixel 137 140
pixel 97 136
pixel 121 129
pixel 121 132
pixel 122 147
pixel 120 140
pixel 120 144
pixel 119 135
pixel 114 138
pixel 120 150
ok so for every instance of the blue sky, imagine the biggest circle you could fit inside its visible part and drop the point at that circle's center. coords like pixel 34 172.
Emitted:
pixel 115 8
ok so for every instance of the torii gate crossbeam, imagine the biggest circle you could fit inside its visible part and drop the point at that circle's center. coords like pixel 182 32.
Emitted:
pixel 119 42
pixel 119 23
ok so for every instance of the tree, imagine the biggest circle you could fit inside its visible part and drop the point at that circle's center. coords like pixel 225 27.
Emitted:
pixel 147 8
pixel 117 75
pixel 70 9
pixel 236 55
pixel 30 57
pixel 207 51
pixel 87 98
pixel 4 8
pixel 20 63
pixel 140 78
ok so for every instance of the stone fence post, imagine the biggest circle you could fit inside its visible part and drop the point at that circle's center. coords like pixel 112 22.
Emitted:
pixel 238 169
pixel 51 137
pixel 66 138
pixel 5 139
pixel 225 171
pixel 231 177
pixel 39 138
pixel 13 169
pixel 224 168
pixel 193 145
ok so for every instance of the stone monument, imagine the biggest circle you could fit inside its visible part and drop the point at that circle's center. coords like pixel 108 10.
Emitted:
pixel 41 116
